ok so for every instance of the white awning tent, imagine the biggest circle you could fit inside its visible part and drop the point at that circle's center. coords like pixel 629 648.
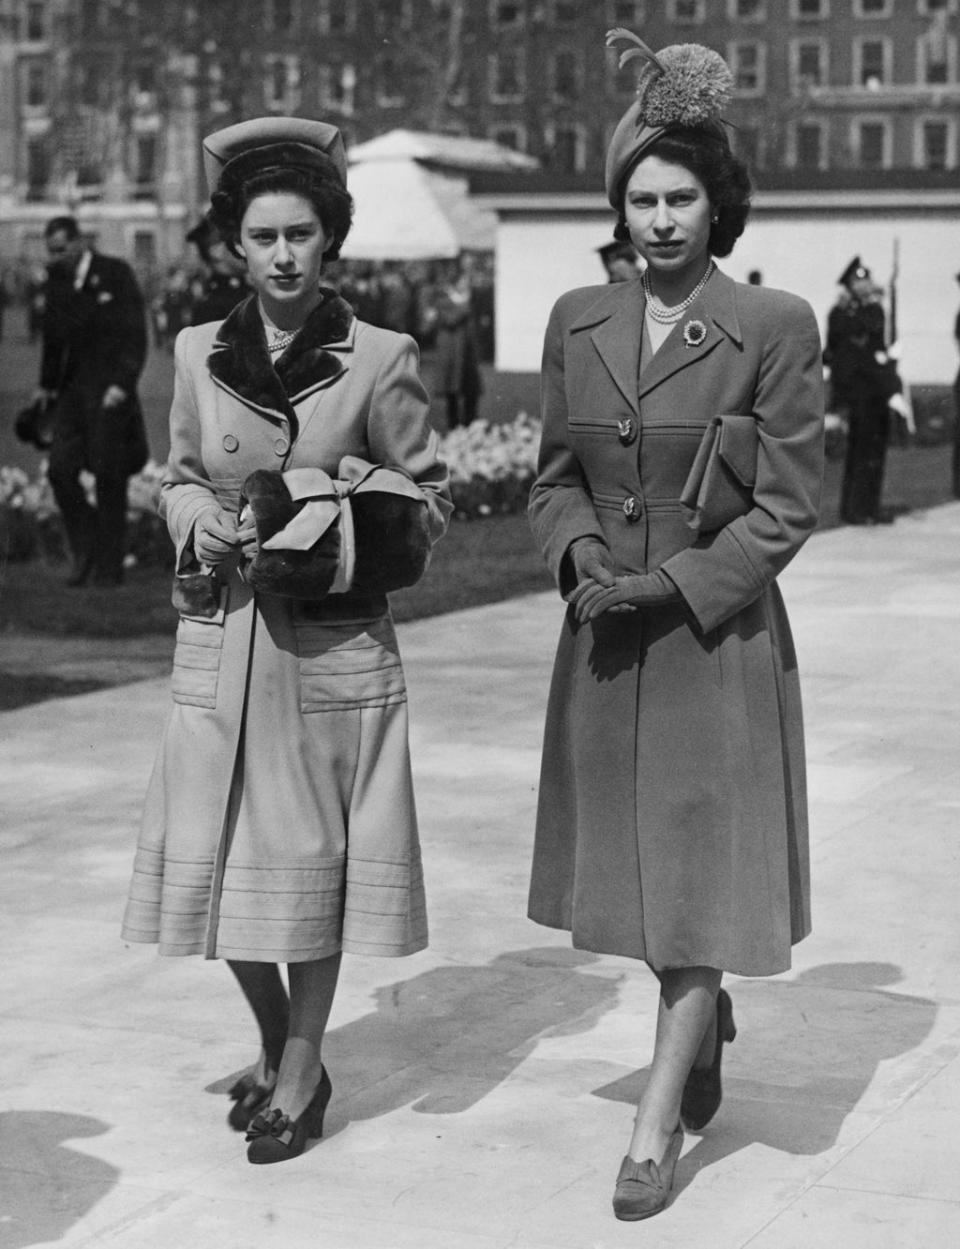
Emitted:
pixel 412 199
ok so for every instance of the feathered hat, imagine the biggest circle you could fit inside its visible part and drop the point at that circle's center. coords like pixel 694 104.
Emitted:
pixel 683 85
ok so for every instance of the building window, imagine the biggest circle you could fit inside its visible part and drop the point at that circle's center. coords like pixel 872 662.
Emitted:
pixel 747 64
pixel 871 60
pixel 145 168
pixel 513 137
pixel 506 14
pixel 281 16
pixel 809 145
pixel 38 167
pixel 395 14
pixel 809 10
pixel 809 63
pixel 337 84
pixel 507 76
pixel 871 143
pixel 687 12
pixel 747 10
pixel 566 12
pixel 282 86
pixel 337 17
pixel 935 144
pixel 872 8
pixel 566 75
pixel 927 8
pixel 566 148
pixel 35 21
pixel 629 13
pixel 748 144
pixel 936 55
pixel 390 86
pixel 35 84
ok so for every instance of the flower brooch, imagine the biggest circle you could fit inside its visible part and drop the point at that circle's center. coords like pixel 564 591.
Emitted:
pixel 694 332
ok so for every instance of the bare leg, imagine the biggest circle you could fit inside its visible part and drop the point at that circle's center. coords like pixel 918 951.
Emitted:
pixel 263 988
pixel 312 986
pixel 688 997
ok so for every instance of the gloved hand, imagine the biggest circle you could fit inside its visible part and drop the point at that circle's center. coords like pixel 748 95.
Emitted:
pixel 649 589
pixel 214 536
pixel 592 562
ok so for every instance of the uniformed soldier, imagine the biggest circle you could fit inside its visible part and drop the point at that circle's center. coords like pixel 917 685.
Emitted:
pixel 619 258
pixel 864 380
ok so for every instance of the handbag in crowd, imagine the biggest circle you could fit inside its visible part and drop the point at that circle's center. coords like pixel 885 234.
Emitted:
pixel 719 487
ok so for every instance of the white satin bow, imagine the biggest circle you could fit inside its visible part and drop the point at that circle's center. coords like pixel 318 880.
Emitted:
pixel 327 499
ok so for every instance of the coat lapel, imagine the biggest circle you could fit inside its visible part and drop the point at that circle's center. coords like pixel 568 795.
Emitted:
pixel 240 363
pixel 616 324
pixel 714 314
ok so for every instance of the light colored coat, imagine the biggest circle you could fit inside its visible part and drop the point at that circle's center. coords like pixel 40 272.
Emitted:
pixel 279 823
pixel 672 822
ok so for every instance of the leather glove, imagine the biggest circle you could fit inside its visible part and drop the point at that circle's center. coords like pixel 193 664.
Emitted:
pixel 214 536
pixel 649 589
pixel 592 562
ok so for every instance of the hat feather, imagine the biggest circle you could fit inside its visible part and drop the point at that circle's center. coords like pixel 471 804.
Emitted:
pixel 640 50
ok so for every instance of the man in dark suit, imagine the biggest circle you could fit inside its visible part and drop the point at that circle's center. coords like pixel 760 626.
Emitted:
pixel 224 283
pixel 864 379
pixel 94 347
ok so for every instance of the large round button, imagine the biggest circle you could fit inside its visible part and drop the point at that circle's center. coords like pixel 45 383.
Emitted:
pixel 631 509
pixel 230 442
pixel 627 431
pixel 281 446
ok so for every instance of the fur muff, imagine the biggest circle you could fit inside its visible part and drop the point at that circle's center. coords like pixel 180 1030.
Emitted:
pixel 391 532
pixel 393 541
pixel 291 574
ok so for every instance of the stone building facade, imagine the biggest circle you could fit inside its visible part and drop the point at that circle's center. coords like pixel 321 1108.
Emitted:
pixel 103 102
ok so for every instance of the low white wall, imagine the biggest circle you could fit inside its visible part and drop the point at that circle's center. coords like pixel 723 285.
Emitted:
pixel 541 253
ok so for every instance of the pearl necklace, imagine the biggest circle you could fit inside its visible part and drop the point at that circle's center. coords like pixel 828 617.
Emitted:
pixel 658 311
pixel 281 340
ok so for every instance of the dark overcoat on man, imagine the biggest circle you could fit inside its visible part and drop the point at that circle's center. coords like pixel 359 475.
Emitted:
pixel 95 337
pixel 672 822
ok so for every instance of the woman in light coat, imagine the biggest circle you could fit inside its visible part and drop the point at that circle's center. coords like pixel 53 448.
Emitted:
pixel 279 824
pixel 672 823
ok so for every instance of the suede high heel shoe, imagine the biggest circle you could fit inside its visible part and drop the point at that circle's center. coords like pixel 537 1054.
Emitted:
pixel 643 1188
pixel 250 1097
pixel 275 1137
pixel 703 1090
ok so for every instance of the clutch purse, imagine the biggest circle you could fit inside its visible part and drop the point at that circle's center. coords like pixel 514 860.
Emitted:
pixel 719 487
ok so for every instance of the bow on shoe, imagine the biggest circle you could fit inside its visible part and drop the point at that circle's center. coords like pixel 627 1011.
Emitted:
pixel 275 1124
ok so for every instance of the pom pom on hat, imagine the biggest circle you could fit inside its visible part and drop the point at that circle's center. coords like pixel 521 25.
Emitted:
pixel 693 90
pixel 685 84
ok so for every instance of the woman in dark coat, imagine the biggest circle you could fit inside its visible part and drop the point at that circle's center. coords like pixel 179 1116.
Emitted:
pixel 279 824
pixel 672 821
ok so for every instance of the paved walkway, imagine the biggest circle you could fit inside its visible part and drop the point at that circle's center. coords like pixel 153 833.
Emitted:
pixel 483 1088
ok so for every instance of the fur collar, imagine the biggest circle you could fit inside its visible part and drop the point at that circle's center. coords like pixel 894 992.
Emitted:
pixel 241 364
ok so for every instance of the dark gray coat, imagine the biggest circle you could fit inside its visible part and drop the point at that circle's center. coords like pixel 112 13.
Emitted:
pixel 672 822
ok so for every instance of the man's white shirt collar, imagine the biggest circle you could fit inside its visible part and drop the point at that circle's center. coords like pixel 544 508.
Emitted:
pixel 83 268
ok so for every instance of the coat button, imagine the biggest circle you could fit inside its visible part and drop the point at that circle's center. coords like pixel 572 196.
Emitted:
pixel 230 442
pixel 627 431
pixel 281 446
pixel 631 509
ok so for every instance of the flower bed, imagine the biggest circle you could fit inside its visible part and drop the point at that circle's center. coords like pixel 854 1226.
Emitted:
pixel 492 467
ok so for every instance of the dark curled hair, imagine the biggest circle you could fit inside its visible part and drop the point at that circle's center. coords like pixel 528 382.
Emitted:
pixel 707 154
pixel 331 201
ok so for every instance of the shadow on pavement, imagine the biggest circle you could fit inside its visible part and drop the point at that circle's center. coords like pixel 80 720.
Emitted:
pixel 48 1186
